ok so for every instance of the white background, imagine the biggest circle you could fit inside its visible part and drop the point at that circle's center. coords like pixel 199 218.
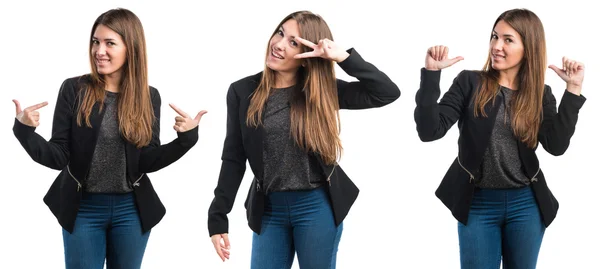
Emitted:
pixel 195 52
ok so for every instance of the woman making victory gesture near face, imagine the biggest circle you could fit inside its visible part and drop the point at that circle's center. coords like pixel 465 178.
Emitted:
pixel 284 121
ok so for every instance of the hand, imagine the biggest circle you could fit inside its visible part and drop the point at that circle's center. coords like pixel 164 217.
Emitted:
pixel 221 244
pixel 29 116
pixel 437 58
pixel 184 122
pixel 326 49
pixel 571 73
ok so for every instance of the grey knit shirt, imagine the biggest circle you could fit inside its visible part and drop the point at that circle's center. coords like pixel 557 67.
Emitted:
pixel 108 170
pixel 502 167
pixel 286 166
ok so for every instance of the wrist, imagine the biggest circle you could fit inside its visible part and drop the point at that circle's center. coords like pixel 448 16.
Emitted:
pixel 343 56
pixel 574 89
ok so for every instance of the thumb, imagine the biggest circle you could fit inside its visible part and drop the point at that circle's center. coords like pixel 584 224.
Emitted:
pixel 17 105
pixel 455 60
pixel 200 114
pixel 558 71
pixel 226 240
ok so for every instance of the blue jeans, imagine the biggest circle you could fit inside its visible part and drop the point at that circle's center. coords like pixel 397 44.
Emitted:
pixel 504 225
pixel 301 222
pixel 107 227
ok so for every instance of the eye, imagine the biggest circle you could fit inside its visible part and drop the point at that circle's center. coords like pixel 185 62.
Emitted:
pixel 111 44
pixel 508 40
pixel 294 43
pixel 494 36
pixel 280 32
pixel 95 42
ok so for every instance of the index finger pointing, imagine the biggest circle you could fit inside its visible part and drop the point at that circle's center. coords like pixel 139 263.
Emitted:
pixel 38 106
pixel 179 111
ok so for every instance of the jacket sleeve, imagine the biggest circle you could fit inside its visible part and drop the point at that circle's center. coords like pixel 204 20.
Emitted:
pixel 156 156
pixel 558 127
pixel 434 119
pixel 373 88
pixel 233 168
pixel 54 153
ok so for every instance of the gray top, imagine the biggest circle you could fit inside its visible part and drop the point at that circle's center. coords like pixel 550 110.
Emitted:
pixel 502 167
pixel 109 167
pixel 286 166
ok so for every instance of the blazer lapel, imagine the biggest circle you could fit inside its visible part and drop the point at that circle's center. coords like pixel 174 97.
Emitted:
pixel 255 136
pixel 132 156
pixel 476 133
pixel 86 138
pixel 255 149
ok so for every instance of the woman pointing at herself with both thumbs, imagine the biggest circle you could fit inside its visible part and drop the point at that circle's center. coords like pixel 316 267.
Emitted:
pixel 495 187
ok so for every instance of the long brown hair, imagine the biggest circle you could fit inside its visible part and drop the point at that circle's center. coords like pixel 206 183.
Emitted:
pixel 314 111
pixel 526 104
pixel 135 112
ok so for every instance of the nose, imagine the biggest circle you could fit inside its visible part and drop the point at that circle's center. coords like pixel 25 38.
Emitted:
pixel 496 45
pixel 100 49
pixel 280 45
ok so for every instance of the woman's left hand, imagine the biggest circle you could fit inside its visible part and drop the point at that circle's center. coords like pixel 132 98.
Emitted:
pixel 325 49
pixel 572 73
pixel 184 122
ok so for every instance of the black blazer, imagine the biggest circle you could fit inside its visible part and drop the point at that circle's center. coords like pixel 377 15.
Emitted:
pixel 435 119
pixel 71 149
pixel 242 143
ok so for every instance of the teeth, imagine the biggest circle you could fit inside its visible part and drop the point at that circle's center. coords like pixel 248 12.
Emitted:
pixel 275 55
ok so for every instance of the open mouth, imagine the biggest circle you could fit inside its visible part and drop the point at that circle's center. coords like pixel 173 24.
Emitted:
pixel 276 55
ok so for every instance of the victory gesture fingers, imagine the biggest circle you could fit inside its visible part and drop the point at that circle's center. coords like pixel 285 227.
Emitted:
pixel 572 73
pixel 29 116
pixel 326 49
pixel 437 58
pixel 184 122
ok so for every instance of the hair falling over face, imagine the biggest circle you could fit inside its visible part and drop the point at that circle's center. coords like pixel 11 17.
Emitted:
pixel 135 111
pixel 314 112
pixel 526 105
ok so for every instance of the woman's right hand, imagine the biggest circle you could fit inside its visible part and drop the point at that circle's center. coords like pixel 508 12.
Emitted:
pixel 221 244
pixel 184 122
pixel 437 58
pixel 29 116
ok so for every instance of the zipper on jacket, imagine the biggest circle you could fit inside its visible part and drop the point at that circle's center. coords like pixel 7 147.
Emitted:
pixel 137 182
pixel 534 178
pixel 72 176
pixel 329 177
pixel 257 184
pixel 471 177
